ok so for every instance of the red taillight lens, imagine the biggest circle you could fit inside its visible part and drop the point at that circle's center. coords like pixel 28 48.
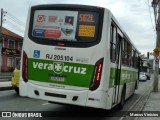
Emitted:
pixel 96 75
pixel 24 67
pixel 60 44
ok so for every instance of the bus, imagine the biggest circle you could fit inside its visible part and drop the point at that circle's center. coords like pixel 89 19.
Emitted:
pixel 77 55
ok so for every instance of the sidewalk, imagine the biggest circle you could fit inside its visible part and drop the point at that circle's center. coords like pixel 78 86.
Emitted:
pixel 152 106
pixel 5 85
pixel 5 81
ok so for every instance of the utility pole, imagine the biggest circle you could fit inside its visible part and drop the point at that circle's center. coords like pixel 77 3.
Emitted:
pixel 157 49
pixel 1 34
pixel 1 24
pixel 1 38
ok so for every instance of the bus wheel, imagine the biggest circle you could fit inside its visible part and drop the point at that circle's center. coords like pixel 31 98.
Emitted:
pixel 121 104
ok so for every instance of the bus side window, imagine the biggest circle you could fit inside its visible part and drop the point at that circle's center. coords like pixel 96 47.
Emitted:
pixel 124 52
pixel 129 53
pixel 113 43
pixel 123 55
pixel 136 60
pixel 133 57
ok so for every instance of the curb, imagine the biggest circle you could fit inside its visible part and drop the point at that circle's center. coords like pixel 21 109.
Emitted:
pixel 141 109
pixel 6 88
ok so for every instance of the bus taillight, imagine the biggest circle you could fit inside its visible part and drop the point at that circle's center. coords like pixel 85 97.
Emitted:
pixel 96 75
pixel 24 67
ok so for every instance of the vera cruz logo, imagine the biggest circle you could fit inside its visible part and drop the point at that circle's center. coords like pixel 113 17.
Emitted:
pixel 58 67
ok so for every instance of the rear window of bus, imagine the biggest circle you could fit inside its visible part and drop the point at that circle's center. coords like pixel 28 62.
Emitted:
pixel 78 26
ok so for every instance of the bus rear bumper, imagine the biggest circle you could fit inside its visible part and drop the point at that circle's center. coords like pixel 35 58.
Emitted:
pixel 54 95
pixel 96 99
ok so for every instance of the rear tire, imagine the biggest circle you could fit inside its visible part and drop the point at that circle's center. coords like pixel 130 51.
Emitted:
pixel 121 104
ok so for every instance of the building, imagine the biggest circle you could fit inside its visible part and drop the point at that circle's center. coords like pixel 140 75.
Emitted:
pixel 10 49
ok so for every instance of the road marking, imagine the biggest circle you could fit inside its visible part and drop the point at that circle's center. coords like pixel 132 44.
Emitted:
pixel 46 103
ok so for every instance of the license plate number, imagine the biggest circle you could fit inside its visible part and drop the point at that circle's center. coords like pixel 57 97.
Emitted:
pixel 57 78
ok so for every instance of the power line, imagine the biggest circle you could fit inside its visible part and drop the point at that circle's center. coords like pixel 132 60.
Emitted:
pixel 20 24
pixel 15 23
pixel 14 26
pixel 15 18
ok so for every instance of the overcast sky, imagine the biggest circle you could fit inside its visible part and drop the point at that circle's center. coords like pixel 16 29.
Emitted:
pixel 135 17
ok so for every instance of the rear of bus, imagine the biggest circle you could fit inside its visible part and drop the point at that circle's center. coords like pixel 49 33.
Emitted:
pixel 63 57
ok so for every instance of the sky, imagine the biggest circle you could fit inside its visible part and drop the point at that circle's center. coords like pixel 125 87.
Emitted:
pixel 135 17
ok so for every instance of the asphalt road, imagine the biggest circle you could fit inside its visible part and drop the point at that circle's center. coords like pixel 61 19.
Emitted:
pixel 10 101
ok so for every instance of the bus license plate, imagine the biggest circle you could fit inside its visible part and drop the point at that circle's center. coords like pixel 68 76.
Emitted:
pixel 57 78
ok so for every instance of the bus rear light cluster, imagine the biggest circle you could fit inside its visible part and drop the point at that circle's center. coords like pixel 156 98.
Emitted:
pixel 99 72
pixel 24 67
pixel 96 75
